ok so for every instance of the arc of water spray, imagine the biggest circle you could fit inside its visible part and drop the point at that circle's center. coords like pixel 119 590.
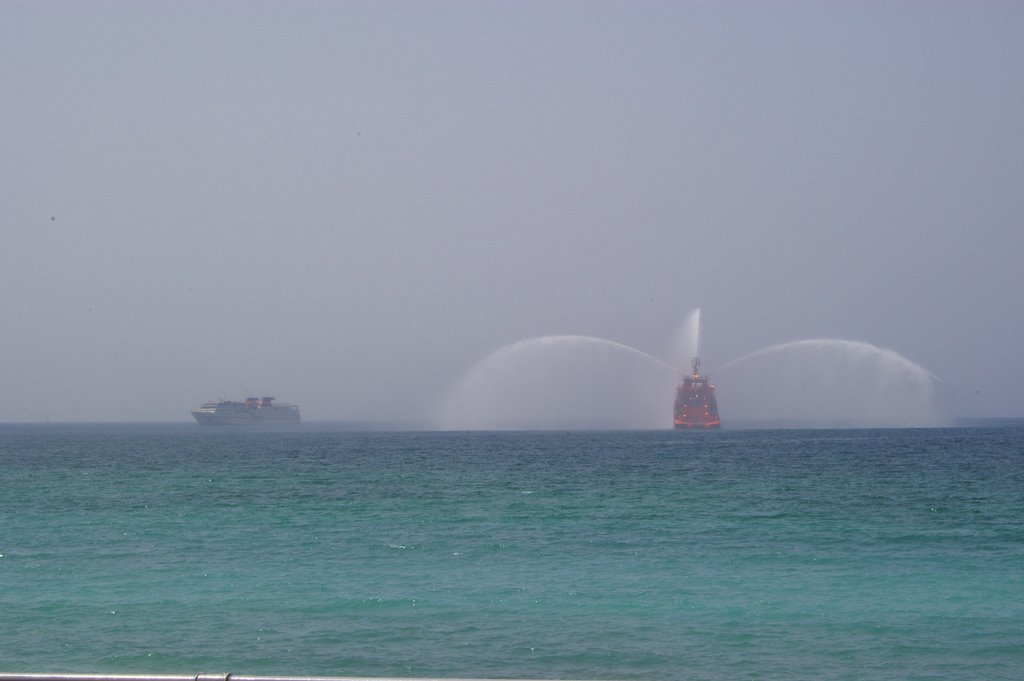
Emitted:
pixel 692 336
pixel 836 344
pixel 567 339
pixel 474 400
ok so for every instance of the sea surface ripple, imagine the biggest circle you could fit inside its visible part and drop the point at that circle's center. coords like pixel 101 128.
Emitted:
pixel 759 554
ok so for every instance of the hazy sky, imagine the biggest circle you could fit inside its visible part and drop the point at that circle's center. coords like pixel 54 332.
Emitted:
pixel 349 204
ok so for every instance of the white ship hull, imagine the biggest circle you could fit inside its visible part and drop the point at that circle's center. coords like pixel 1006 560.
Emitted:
pixel 254 411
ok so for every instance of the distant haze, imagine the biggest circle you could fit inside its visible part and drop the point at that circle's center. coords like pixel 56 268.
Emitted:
pixel 351 205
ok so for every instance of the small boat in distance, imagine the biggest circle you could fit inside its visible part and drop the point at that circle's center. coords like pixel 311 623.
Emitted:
pixel 254 411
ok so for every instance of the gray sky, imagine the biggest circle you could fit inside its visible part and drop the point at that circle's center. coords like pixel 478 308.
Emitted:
pixel 349 204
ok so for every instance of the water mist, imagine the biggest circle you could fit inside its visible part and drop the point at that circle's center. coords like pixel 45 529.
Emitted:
pixel 587 382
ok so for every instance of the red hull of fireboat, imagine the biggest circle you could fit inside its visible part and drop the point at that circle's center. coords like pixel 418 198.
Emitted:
pixel 696 407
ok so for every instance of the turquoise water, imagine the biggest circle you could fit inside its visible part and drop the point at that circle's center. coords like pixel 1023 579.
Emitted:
pixel 788 554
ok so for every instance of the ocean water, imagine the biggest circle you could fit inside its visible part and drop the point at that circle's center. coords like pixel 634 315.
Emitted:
pixel 754 554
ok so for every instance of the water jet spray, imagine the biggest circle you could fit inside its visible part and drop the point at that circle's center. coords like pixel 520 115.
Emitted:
pixel 586 381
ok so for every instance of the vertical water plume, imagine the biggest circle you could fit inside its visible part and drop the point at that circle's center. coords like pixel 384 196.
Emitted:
pixel 695 339
pixel 686 342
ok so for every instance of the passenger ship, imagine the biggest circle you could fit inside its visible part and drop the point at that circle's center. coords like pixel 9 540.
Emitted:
pixel 254 411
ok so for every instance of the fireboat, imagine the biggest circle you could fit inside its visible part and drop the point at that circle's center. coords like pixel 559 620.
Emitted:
pixel 696 407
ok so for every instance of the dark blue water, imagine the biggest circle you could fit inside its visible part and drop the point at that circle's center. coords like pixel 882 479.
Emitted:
pixel 788 554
